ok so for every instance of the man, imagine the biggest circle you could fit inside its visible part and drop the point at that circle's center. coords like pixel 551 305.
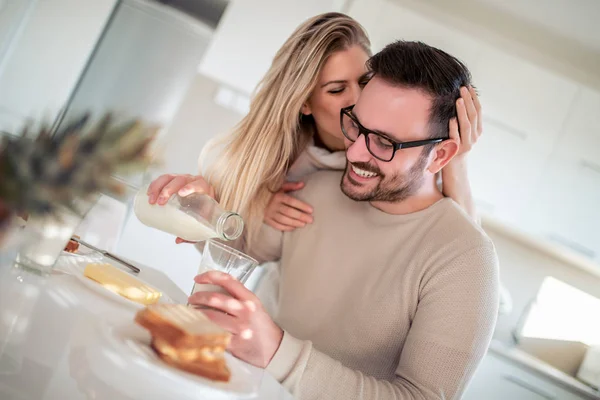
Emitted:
pixel 392 292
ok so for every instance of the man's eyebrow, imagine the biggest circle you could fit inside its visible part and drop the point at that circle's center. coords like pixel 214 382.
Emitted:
pixel 382 133
pixel 331 82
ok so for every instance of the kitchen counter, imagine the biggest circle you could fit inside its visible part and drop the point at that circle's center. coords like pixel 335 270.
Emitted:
pixel 544 370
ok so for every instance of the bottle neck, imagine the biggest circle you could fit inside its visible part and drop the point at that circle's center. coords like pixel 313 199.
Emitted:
pixel 229 226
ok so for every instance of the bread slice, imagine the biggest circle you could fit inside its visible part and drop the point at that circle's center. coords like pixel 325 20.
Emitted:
pixel 216 370
pixel 186 339
pixel 206 354
pixel 182 327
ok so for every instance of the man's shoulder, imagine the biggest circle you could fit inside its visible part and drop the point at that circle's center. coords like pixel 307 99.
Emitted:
pixel 455 222
pixel 459 234
pixel 457 246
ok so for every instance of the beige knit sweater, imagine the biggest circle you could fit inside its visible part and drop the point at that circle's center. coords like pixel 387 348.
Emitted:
pixel 379 306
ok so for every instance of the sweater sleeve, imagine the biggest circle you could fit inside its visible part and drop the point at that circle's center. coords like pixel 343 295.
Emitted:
pixel 449 336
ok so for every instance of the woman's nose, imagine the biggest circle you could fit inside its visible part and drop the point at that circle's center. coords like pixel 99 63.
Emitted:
pixel 353 94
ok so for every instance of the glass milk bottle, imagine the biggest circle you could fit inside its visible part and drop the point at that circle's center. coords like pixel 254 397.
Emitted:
pixel 195 218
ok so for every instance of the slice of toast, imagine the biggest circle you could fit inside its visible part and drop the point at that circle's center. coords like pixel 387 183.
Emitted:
pixel 216 369
pixel 182 327
pixel 186 339
pixel 206 354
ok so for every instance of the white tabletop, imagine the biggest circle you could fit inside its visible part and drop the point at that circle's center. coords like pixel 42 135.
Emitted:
pixel 52 347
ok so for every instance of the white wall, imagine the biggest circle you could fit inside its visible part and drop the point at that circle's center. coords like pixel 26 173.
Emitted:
pixel 250 33
pixel 48 57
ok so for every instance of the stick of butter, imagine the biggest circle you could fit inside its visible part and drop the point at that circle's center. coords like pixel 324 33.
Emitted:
pixel 122 283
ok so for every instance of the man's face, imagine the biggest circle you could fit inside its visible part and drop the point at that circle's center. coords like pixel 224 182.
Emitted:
pixel 402 115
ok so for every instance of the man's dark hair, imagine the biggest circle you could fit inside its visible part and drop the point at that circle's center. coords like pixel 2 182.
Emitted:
pixel 420 66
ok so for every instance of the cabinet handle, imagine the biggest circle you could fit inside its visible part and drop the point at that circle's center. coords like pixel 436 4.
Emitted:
pixel 528 386
pixel 590 165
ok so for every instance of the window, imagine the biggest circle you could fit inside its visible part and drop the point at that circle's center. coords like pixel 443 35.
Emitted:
pixel 563 312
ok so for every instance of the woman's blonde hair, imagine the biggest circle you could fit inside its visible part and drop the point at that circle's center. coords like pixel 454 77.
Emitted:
pixel 256 155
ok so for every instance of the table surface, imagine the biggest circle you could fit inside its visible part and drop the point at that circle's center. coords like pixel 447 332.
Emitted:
pixel 51 346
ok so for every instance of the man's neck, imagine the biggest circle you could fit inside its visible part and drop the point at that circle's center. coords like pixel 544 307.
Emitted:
pixel 428 195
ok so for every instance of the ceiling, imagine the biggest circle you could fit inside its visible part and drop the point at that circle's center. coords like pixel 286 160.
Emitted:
pixel 561 35
pixel 577 20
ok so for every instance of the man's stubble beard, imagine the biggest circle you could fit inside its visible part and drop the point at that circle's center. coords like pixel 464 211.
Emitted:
pixel 392 190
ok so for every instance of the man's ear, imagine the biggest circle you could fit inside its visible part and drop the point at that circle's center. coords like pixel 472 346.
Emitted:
pixel 443 153
pixel 306 110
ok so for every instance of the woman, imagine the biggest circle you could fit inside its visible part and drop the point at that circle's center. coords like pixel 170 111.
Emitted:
pixel 293 129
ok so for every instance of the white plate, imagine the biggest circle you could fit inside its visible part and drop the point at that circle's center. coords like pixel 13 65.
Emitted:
pixel 132 342
pixel 76 269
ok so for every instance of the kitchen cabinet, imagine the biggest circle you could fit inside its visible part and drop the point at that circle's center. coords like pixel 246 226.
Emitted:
pixel 503 172
pixel 47 56
pixel 581 139
pixel 531 102
pixel 568 194
pixel 141 68
pixel 143 64
pixel 566 209
pixel 500 379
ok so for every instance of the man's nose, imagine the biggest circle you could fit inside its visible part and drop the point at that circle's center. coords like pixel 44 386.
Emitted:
pixel 357 151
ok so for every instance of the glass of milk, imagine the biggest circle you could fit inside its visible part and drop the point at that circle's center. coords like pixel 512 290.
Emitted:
pixel 195 218
pixel 220 257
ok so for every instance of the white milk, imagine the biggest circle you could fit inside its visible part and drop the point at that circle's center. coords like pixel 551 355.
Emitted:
pixel 171 220
pixel 205 287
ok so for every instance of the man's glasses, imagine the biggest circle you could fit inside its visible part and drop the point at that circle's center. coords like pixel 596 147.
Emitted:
pixel 378 145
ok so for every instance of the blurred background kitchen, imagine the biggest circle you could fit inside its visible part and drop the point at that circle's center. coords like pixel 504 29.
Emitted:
pixel 191 66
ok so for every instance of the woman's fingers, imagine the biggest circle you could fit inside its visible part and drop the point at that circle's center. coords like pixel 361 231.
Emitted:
pixel 157 186
pixel 171 188
pixel 475 98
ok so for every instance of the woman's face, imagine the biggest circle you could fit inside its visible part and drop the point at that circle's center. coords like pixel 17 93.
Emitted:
pixel 340 82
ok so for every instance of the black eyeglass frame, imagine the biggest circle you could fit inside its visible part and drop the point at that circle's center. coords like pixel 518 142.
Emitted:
pixel 365 131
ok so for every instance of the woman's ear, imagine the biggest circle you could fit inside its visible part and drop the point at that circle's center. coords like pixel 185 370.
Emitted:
pixel 306 110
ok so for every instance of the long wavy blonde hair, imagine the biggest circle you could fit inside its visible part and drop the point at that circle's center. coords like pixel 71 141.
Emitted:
pixel 256 155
